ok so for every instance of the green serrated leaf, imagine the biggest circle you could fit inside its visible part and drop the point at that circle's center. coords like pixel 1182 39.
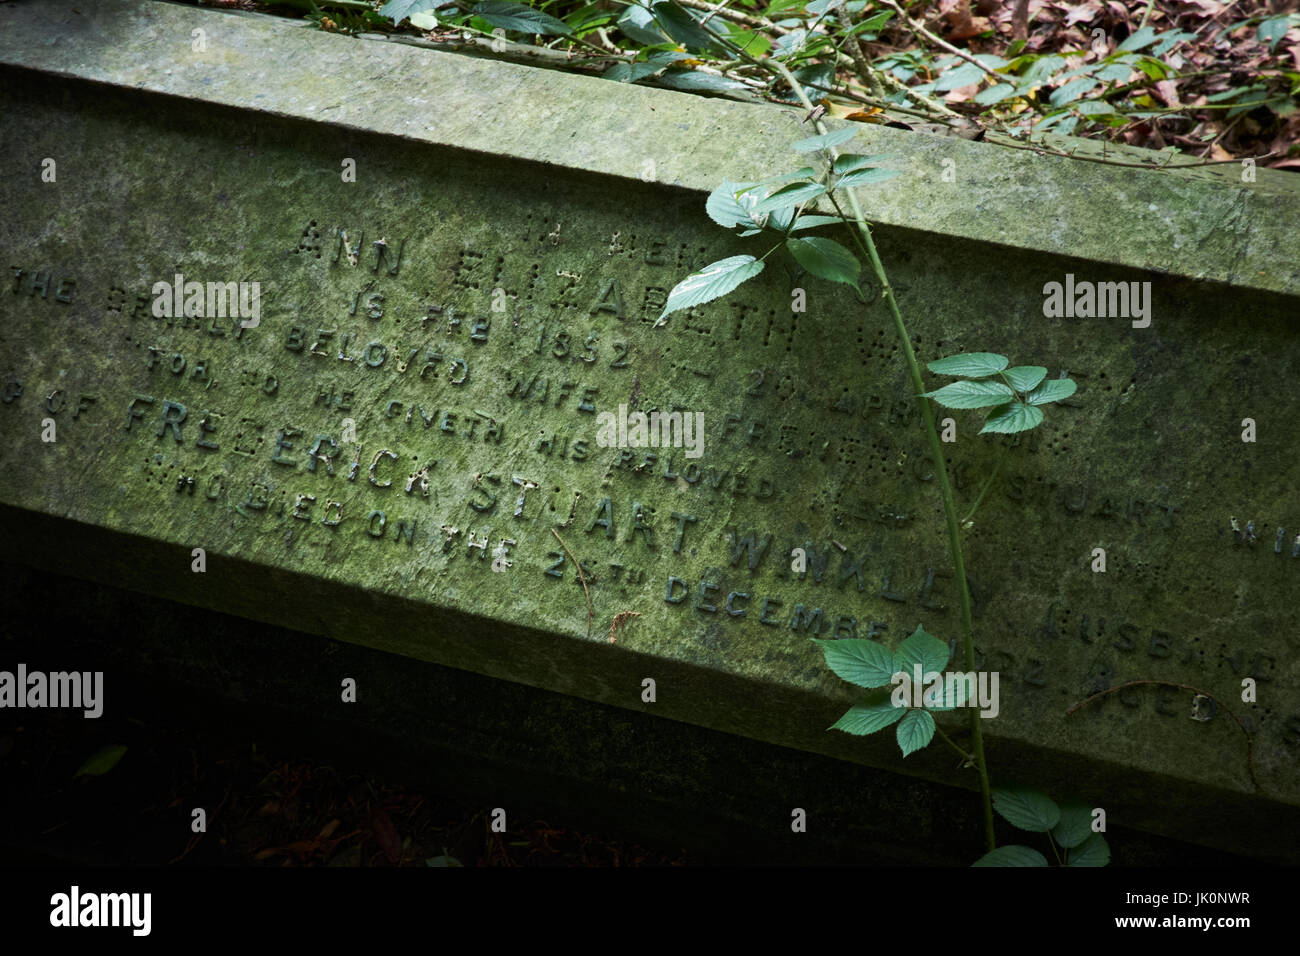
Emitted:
pixel 631 72
pixel 956 693
pixel 101 761
pixel 1273 31
pixel 517 16
pixel 755 44
pixel 863 720
pixel 1041 69
pixel 1012 856
pixel 790 43
pixel 959 76
pixel 826 141
pixel 1012 418
pixel 968 394
pixel 667 57
pixel 1118 72
pixel 969 364
pixel 921 647
pixel 812 222
pixel 1027 809
pixel 825 259
pixel 588 18
pixel 1093 852
pixel 1139 40
pixel 863 177
pixel 871 25
pixel 638 24
pixel 792 195
pixel 1169 40
pixel 1096 108
pixel 443 860
pixel 1153 68
pixel 731 205
pixel 915 731
pixel 820 76
pixel 1023 378
pixel 997 93
pixel 694 80
pixel 1073 90
pixel 859 661
pixel 780 219
pixel 1061 122
pixel 712 282
pixel 678 23
pixel 1052 390
pixel 848 162
pixel 1075 825
pixel 399 10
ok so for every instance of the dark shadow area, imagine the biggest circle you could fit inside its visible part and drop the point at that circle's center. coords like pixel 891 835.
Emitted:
pixel 246 721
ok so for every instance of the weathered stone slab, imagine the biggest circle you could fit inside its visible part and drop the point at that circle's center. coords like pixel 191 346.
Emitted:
pixel 180 433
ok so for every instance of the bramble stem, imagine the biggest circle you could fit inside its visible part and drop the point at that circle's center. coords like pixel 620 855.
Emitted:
pixel 936 452
pixel 988 484
pixel 949 741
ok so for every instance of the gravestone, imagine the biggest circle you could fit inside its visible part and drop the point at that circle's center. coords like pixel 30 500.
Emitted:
pixel 421 281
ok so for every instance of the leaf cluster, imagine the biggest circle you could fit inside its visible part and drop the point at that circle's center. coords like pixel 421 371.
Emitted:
pixel 778 206
pixel 671 45
pixel 873 665
pixel 484 16
pixel 1069 830
pixel 1014 394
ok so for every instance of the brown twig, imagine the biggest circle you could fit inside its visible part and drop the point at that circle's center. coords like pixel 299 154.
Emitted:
pixel 862 64
pixel 1222 133
pixel 583 580
pixel 720 7
pixel 1020 20
pixel 936 115
pixel 1250 745
pixel 744 19
pixel 1168 164
pixel 621 619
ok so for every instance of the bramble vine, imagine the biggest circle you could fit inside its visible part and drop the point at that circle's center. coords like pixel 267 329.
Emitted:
pixel 779 207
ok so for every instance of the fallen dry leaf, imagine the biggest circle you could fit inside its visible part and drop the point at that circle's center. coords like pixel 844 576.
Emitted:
pixel 961 25
pixel 327 829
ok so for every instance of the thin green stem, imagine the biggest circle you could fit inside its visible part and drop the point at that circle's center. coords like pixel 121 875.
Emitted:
pixel 1146 13
pixel 988 484
pixel 936 452
pixel 848 221
pixel 1052 844
pixel 969 758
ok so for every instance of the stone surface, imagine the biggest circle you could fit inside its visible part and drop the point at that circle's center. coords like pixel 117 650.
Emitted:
pixel 811 437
